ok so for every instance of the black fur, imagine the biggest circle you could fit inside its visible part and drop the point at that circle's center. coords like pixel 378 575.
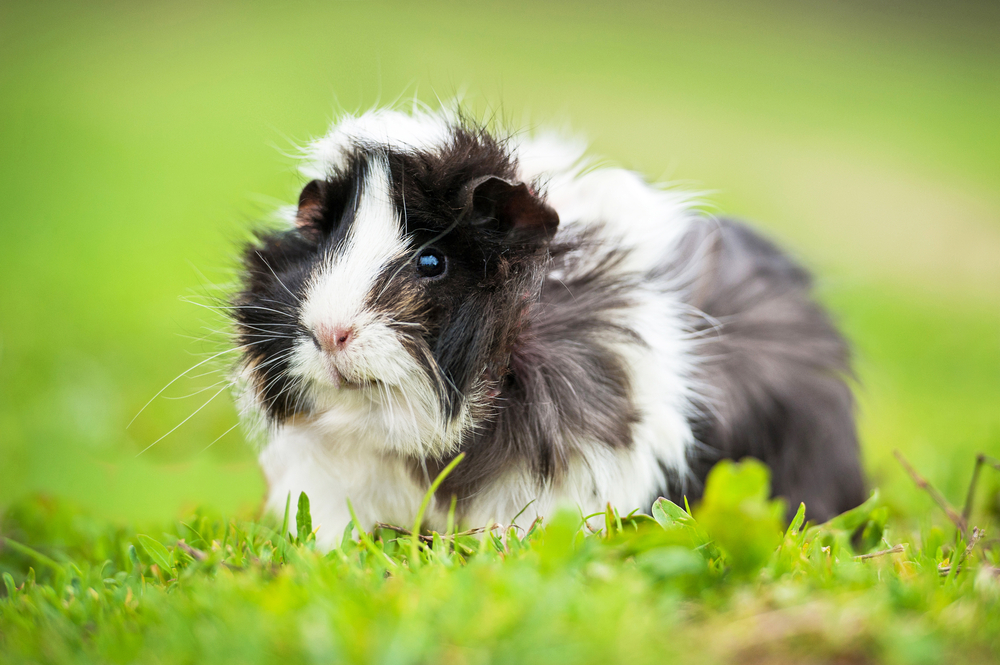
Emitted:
pixel 267 316
pixel 773 372
pixel 565 386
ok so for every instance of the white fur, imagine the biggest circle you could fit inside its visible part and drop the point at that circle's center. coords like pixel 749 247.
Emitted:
pixel 354 446
pixel 400 413
pixel 338 291
pixel 381 127
pixel 303 458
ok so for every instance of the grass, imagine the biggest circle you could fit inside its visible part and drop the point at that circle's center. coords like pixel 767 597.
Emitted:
pixel 728 583
pixel 138 142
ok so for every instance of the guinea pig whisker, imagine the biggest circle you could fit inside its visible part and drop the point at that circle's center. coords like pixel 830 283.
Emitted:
pixel 276 359
pixel 441 374
pixel 199 391
pixel 240 415
pixel 271 300
pixel 222 435
pixel 284 355
pixel 253 307
pixel 258 326
pixel 203 374
pixel 203 338
pixel 215 331
pixel 268 336
pixel 210 336
pixel 300 399
pixel 297 299
pixel 188 300
pixel 258 308
pixel 178 377
pixel 270 383
pixel 196 411
pixel 402 196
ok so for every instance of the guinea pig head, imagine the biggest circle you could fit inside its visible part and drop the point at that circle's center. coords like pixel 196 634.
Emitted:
pixel 393 304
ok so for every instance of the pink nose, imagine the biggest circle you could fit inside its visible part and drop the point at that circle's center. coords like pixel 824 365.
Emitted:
pixel 335 338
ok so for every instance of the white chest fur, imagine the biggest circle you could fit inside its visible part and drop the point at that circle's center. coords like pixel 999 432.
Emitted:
pixel 379 485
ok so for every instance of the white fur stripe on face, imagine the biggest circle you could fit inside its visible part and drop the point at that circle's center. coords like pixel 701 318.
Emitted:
pixel 340 287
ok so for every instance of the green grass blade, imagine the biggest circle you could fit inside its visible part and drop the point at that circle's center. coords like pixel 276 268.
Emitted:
pixel 284 522
pixel 157 552
pixel 415 537
pixel 365 540
pixel 28 552
pixel 303 519
pixel 800 517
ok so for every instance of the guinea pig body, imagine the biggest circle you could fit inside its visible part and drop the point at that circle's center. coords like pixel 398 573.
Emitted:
pixel 583 337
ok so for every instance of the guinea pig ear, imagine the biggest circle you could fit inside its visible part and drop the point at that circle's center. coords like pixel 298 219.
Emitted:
pixel 510 208
pixel 310 211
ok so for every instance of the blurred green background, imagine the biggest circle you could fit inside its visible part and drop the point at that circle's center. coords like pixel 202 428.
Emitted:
pixel 138 142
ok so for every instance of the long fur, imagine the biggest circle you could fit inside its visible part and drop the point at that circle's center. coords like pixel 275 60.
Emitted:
pixel 592 339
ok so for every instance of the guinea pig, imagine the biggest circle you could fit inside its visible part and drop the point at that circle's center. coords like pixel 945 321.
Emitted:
pixel 584 337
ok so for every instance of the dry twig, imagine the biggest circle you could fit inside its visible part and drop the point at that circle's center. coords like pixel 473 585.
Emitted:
pixel 429 539
pixel 199 555
pixel 939 499
pixel 871 555
pixel 981 459
pixel 195 554
pixel 977 534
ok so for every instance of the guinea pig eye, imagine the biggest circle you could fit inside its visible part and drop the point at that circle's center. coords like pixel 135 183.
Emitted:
pixel 431 262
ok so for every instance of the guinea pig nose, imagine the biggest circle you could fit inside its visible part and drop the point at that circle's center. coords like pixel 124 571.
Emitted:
pixel 342 336
pixel 334 338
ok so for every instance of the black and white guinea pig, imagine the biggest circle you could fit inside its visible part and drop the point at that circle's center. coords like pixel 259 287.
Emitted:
pixel 583 337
